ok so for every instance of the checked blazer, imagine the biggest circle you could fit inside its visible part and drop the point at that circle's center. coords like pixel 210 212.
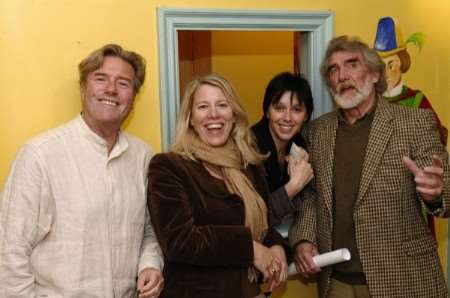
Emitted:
pixel 398 253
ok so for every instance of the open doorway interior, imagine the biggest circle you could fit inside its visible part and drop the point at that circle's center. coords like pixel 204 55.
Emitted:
pixel 316 29
pixel 248 59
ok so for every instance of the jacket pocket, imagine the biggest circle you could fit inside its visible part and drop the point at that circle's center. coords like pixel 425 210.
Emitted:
pixel 420 246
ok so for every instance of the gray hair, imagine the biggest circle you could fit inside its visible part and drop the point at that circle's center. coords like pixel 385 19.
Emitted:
pixel 353 44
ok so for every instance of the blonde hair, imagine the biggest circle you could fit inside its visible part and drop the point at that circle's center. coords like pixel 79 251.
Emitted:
pixel 240 132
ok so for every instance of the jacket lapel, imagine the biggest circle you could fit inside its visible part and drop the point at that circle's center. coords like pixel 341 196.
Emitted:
pixel 379 136
pixel 327 164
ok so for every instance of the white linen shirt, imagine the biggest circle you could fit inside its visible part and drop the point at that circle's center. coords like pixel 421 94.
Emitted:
pixel 73 219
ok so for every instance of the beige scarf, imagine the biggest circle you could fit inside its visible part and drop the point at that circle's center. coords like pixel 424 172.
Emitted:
pixel 227 161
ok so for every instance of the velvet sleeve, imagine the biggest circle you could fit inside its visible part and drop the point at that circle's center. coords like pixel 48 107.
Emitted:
pixel 170 197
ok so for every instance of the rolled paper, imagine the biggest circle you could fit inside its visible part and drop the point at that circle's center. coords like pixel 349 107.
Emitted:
pixel 292 270
pixel 298 153
pixel 325 259
pixel 332 257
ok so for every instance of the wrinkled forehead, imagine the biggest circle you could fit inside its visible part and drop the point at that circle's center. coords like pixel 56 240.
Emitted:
pixel 342 57
pixel 111 64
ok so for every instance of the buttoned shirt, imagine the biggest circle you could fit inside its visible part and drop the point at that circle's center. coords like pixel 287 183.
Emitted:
pixel 73 218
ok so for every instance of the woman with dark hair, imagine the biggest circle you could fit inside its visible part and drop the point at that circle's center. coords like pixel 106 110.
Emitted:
pixel 287 106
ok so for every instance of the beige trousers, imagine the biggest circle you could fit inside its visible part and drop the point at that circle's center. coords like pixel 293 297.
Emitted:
pixel 343 290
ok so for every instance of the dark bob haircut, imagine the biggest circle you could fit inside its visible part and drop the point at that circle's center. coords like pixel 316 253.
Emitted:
pixel 288 82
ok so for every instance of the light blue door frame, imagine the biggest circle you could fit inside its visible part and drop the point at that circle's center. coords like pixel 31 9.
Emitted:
pixel 317 27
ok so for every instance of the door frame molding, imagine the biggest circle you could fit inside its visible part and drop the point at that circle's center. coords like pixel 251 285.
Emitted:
pixel 317 26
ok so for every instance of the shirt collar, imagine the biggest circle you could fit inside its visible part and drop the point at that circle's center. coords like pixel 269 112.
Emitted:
pixel 99 143
pixel 394 91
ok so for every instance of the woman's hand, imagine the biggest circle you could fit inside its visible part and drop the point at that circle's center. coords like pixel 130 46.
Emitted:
pixel 265 261
pixel 300 174
pixel 281 273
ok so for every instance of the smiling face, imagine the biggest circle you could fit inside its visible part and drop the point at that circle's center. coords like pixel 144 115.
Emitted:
pixel 108 94
pixel 211 115
pixel 286 118
pixel 350 80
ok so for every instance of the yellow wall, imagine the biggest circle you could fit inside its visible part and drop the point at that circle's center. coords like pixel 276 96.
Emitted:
pixel 42 41
pixel 249 60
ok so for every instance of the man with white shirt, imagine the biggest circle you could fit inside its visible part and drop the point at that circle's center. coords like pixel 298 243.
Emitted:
pixel 73 215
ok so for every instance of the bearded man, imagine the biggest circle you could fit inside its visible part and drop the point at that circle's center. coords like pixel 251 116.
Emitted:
pixel 392 48
pixel 375 165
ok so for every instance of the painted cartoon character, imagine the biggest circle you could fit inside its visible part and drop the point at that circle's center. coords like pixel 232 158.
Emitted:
pixel 392 48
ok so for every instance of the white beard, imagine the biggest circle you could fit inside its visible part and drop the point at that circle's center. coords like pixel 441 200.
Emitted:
pixel 350 102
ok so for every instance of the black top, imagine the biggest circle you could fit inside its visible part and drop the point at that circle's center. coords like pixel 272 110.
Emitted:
pixel 276 176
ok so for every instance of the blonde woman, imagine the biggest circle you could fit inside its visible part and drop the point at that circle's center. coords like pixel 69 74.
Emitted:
pixel 207 199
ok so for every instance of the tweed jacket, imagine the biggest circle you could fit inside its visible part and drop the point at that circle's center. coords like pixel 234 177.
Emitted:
pixel 398 253
pixel 200 227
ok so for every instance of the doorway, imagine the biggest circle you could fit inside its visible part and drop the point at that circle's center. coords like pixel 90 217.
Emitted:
pixel 247 59
pixel 316 30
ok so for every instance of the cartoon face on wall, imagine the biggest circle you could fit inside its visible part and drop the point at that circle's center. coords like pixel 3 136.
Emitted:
pixel 393 72
pixel 391 46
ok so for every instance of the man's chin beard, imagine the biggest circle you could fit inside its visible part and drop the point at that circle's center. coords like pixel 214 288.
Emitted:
pixel 362 94
pixel 349 103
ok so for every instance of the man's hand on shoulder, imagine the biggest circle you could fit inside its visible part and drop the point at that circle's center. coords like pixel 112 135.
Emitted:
pixel 150 283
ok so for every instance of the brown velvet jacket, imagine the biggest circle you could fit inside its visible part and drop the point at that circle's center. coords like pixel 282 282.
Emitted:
pixel 200 227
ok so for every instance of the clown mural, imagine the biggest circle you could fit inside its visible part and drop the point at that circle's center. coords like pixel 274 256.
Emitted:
pixel 392 48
